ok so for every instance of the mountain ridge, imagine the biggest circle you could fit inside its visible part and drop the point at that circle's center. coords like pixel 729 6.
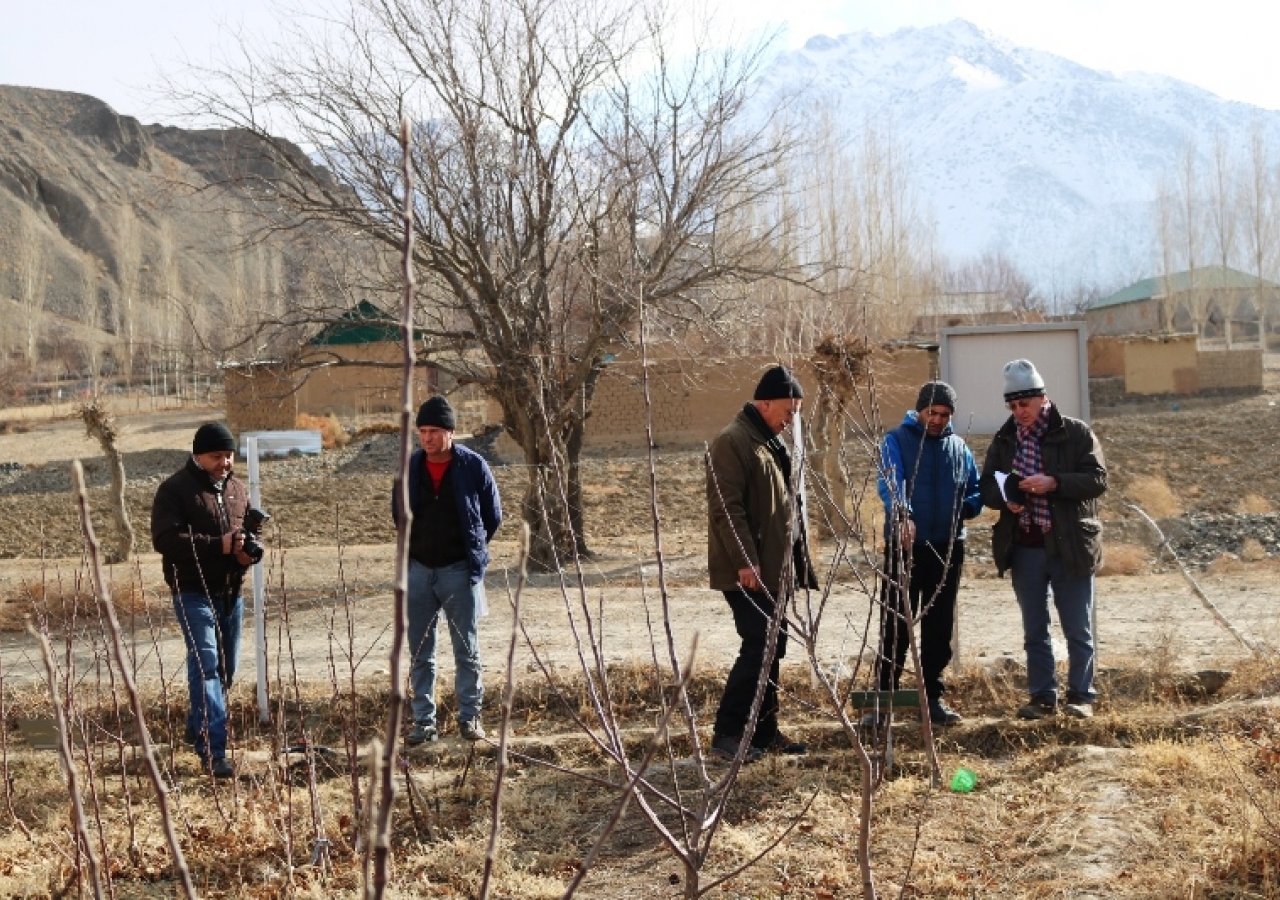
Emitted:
pixel 1018 150
pixel 121 241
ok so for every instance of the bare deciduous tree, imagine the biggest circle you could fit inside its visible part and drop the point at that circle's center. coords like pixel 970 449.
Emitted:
pixel 999 282
pixel 568 169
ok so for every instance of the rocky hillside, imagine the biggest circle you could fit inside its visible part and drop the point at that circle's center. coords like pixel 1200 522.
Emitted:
pixel 117 238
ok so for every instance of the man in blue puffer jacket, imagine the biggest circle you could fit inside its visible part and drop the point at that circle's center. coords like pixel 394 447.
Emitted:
pixel 456 510
pixel 929 485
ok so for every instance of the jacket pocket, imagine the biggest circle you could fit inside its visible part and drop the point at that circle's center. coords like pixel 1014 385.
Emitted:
pixel 1090 530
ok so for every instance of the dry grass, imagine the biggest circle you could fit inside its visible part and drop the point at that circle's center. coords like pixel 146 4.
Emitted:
pixel 1153 494
pixel 371 428
pixel 54 603
pixel 332 434
pixel 1257 505
pixel 1130 804
pixel 1251 550
pixel 1125 559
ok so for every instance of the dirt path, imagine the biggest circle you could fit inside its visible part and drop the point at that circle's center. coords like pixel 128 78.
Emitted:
pixel 1155 618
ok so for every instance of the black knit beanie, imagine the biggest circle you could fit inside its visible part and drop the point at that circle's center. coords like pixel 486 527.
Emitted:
pixel 437 413
pixel 778 384
pixel 936 393
pixel 211 437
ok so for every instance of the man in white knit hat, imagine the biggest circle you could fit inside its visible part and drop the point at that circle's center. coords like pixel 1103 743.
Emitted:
pixel 1049 534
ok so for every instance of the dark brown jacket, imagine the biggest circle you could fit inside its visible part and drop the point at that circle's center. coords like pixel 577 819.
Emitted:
pixel 1070 453
pixel 749 505
pixel 189 516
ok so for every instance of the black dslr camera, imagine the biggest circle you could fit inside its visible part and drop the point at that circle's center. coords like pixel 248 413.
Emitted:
pixel 251 528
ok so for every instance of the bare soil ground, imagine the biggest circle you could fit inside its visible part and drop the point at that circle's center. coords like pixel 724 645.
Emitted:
pixel 1164 794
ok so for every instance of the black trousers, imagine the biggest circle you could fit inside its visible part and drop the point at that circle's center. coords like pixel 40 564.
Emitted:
pixel 932 573
pixel 752 613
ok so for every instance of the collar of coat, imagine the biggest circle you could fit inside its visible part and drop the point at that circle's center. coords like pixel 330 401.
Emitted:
pixel 1010 428
pixel 195 469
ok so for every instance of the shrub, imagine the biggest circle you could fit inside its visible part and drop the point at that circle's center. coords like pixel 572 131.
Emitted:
pixel 332 434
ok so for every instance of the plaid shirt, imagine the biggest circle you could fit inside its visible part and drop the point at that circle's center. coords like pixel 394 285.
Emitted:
pixel 1027 461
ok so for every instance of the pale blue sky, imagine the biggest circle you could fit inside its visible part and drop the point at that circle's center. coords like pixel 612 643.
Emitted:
pixel 114 49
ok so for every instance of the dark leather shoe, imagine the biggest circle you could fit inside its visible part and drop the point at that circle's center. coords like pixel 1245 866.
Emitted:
pixel 1038 708
pixel 726 748
pixel 875 721
pixel 222 768
pixel 783 744
pixel 941 714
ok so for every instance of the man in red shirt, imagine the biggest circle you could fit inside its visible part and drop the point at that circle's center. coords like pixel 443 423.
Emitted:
pixel 456 510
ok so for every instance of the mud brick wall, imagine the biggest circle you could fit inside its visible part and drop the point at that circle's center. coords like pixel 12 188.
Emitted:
pixel 1138 317
pixel 1106 391
pixel 691 400
pixel 1166 365
pixel 1230 370
pixel 471 405
pixel 260 398
pixel 1106 357
pixel 359 390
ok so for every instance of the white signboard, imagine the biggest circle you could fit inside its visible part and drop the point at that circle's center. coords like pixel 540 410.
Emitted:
pixel 972 361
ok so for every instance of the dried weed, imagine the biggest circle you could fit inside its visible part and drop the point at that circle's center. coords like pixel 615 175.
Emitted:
pixel 1153 494
pixel 1257 505
pixel 332 434
pixel 1125 559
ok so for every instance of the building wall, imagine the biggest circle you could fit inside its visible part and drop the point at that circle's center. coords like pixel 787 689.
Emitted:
pixel 347 391
pixel 1230 370
pixel 692 400
pixel 1106 357
pixel 260 398
pixel 1164 365
pixel 1139 317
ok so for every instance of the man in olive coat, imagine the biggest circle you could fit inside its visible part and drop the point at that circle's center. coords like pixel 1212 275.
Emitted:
pixel 756 555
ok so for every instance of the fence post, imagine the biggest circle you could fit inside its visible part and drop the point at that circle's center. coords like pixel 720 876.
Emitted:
pixel 259 601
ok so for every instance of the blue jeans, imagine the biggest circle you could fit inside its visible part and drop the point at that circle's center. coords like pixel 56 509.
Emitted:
pixel 447 589
pixel 213 647
pixel 1034 573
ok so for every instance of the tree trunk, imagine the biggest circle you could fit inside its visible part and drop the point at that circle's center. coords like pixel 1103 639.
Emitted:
pixel 100 425
pixel 577 517
pixel 545 510
pixel 553 503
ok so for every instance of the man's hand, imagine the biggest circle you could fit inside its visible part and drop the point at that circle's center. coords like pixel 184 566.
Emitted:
pixel 1038 484
pixel 747 578
pixel 908 532
pixel 233 545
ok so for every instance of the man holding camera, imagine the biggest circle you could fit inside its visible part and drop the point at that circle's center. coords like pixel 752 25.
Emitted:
pixel 198 528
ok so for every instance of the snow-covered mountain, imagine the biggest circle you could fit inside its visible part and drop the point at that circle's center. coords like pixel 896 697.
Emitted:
pixel 1018 150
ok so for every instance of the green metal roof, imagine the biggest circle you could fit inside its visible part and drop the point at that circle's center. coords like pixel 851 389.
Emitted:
pixel 1209 277
pixel 364 323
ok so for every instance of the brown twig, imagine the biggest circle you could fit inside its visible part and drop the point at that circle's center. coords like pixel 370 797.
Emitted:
pixel 69 765
pixel 395 702
pixel 103 593
pixel 504 726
